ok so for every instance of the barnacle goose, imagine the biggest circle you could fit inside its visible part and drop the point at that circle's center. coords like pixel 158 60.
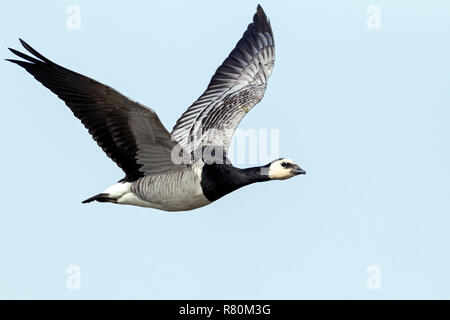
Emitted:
pixel 135 139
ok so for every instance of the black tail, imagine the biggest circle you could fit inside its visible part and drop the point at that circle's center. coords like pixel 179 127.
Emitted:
pixel 101 197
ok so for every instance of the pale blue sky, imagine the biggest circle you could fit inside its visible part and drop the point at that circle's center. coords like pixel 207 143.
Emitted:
pixel 364 112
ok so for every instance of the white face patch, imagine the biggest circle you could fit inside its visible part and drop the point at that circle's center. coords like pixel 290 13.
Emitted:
pixel 279 172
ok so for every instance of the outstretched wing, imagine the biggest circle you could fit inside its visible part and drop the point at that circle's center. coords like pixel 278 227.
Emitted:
pixel 236 87
pixel 130 134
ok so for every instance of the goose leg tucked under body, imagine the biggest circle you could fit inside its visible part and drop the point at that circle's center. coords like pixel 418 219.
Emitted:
pixel 135 139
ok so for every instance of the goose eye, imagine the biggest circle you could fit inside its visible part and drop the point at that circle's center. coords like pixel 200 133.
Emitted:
pixel 284 164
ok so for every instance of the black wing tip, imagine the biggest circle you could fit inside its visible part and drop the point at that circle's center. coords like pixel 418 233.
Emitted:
pixel 37 56
pixel 16 52
pixel 24 44
pixel 23 64
pixel 29 48
pixel 260 10
pixel 261 22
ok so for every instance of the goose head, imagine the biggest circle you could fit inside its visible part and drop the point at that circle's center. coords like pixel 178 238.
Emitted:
pixel 283 168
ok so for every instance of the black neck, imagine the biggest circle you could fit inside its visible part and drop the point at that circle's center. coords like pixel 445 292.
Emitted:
pixel 221 179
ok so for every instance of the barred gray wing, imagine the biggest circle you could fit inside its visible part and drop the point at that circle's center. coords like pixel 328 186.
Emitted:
pixel 236 87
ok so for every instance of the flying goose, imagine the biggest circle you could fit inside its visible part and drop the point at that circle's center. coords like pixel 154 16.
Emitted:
pixel 132 135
